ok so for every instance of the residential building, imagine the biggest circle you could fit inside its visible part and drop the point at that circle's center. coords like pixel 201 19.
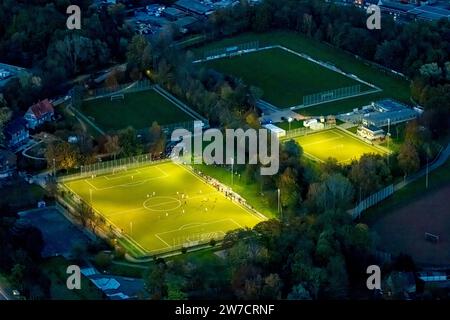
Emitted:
pixel 16 133
pixel 39 113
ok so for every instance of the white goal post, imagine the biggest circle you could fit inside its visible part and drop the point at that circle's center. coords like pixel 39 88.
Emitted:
pixel 119 169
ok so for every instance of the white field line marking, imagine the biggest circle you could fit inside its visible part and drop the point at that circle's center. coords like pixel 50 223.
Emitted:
pixel 365 143
pixel 126 185
pixel 168 245
pixel 232 220
pixel 162 204
pixel 193 225
pixel 115 176
pixel 145 210
pixel 97 189
pixel 236 204
pixel 309 155
pixel 137 245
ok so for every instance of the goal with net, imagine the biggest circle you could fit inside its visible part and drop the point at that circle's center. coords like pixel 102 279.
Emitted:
pixel 119 169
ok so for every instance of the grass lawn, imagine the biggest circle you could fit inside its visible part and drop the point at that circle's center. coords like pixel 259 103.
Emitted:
pixel 392 86
pixel 163 205
pixel 284 77
pixel 295 124
pixel 437 178
pixel 56 268
pixel 138 109
pixel 250 190
pixel 335 143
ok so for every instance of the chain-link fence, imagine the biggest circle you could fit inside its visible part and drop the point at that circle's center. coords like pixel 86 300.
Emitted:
pixel 305 131
pixel 329 95
pixel 111 166
pixel 372 200
pixel 136 86
pixel 231 50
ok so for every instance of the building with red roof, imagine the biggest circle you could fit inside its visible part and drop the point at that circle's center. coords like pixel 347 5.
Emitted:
pixel 39 113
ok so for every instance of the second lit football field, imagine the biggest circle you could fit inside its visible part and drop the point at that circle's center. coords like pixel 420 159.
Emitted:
pixel 163 205
pixel 336 144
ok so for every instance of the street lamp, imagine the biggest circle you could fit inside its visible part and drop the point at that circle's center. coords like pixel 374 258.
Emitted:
pixel 389 138
pixel 290 120
pixel 232 171
pixel 279 198
pixel 54 167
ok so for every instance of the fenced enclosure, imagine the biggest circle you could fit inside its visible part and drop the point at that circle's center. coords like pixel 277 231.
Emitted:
pixel 372 200
pixel 117 90
pixel 135 189
pixel 329 95
pixel 110 166
pixel 298 132
pixel 188 125
pixel 231 50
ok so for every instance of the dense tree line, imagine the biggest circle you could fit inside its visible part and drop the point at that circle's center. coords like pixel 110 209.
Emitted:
pixel 20 255
pixel 225 101
pixel 403 47
pixel 33 35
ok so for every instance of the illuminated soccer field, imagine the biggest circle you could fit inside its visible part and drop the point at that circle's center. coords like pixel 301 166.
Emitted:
pixel 337 144
pixel 163 205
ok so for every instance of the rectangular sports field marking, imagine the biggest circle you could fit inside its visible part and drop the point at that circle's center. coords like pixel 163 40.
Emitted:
pixel 339 136
pixel 189 230
pixel 286 76
pixel 151 210
pixel 335 143
pixel 134 179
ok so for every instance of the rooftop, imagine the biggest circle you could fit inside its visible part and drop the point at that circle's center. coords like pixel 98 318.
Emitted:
pixel 427 12
pixel 15 126
pixel 174 12
pixel 41 108
pixel 194 6
pixel 389 105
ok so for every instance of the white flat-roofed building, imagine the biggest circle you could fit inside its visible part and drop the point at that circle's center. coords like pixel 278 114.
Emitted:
pixel 277 130
pixel 370 132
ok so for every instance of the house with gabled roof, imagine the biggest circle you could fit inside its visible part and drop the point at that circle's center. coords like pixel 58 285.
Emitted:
pixel 39 113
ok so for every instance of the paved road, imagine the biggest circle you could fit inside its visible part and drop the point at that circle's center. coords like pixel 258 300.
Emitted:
pixel 3 295
pixel 442 158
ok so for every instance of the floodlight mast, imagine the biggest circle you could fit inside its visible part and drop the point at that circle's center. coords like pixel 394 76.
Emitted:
pixel 232 171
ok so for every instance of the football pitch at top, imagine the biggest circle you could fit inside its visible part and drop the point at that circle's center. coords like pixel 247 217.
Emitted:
pixel 159 206
pixel 284 77
pixel 335 143
pixel 137 109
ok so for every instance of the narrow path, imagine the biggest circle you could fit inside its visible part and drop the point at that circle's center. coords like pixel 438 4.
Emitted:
pixel 179 104
pixel 84 118
pixel 440 160
pixel 24 152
